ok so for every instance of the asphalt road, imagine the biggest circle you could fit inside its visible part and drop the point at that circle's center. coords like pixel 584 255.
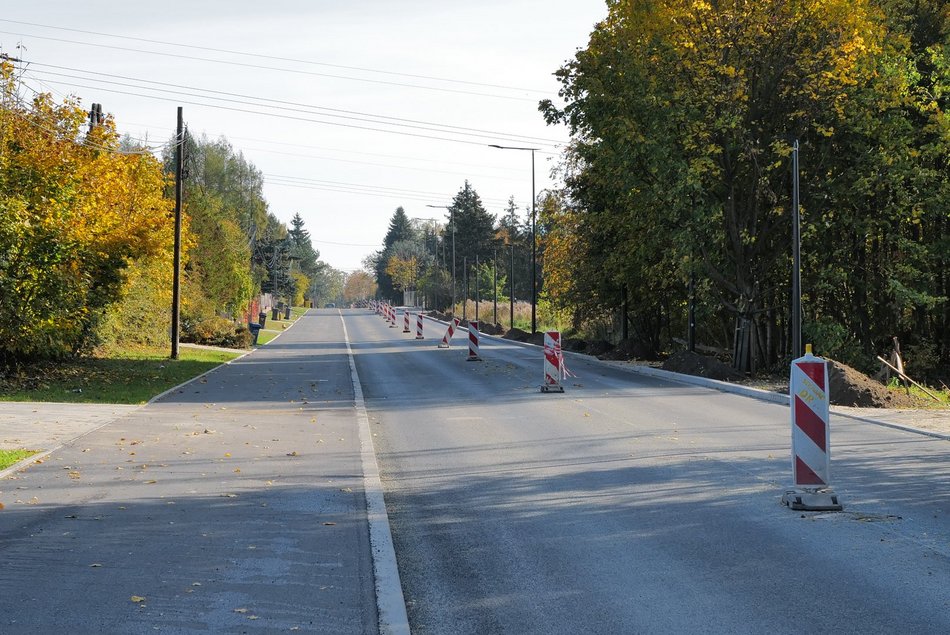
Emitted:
pixel 628 504
pixel 233 505
pixel 633 505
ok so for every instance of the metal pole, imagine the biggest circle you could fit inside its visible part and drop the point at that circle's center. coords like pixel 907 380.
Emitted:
pixel 478 290
pixel 796 323
pixel 534 256
pixel 452 220
pixel 465 282
pixel 494 273
pixel 176 276
pixel 511 285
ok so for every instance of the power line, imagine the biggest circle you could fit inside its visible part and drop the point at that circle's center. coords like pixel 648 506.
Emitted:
pixel 300 180
pixel 279 58
pixel 282 116
pixel 270 68
pixel 285 105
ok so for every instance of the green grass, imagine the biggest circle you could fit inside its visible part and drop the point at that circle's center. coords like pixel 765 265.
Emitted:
pixel 265 336
pixel 10 457
pixel 942 395
pixel 128 377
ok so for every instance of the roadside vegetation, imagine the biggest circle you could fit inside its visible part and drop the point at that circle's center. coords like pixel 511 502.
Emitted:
pixel 11 457
pixel 684 118
pixel 129 377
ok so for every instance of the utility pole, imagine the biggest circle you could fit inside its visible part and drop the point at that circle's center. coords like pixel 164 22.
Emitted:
pixel 176 279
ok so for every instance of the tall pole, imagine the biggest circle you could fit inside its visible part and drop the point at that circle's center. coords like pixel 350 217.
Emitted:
pixel 478 288
pixel 511 285
pixel 176 276
pixel 534 256
pixel 465 282
pixel 494 274
pixel 796 322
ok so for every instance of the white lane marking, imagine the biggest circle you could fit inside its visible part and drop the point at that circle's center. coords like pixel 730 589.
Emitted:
pixel 390 604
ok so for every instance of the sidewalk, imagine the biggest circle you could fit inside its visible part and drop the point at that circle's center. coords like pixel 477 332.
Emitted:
pixel 44 426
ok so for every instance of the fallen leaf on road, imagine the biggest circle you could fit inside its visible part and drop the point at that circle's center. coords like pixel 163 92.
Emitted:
pixel 150 482
pixel 241 610
pixel 229 495
pixel 138 599
pixel 195 584
pixel 237 470
pixel 1 505
pixel 95 565
pixel 294 453
pixel 329 524
pixel 74 475
pixel 227 455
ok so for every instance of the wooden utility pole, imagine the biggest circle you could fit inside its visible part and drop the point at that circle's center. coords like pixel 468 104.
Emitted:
pixel 176 278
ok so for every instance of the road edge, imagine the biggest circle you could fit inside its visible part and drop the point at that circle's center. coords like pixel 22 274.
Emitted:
pixel 390 603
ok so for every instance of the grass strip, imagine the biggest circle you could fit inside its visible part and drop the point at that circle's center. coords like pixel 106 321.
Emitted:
pixel 11 457
pixel 129 377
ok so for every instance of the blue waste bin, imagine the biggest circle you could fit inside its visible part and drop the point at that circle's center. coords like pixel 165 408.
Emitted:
pixel 255 330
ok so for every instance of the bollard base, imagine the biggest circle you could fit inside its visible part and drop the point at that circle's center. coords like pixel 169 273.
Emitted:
pixel 419 337
pixel 552 388
pixel 443 345
pixel 473 358
pixel 812 500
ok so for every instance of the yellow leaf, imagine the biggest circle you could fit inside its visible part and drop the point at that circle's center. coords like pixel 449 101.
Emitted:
pixel 138 599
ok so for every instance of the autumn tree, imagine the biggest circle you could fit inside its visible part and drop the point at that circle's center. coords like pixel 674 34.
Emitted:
pixel 75 211
pixel 683 116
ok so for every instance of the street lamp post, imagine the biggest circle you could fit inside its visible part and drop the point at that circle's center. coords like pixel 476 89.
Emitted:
pixel 452 222
pixel 534 242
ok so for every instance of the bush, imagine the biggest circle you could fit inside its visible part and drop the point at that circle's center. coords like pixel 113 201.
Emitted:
pixel 216 331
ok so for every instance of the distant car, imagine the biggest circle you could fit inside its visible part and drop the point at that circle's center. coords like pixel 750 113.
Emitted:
pixel 330 305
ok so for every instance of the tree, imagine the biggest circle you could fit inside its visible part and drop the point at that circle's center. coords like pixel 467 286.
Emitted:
pixel 472 224
pixel 359 286
pixel 75 211
pixel 683 114
pixel 400 231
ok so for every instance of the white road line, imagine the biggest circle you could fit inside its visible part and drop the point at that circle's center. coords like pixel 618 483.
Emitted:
pixel 390 604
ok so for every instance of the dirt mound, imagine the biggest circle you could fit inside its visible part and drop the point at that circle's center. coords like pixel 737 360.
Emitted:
pixel 599 348
pixel 631 349
pixel 490 329
pixel 701 366
pixel 574 344
pixel 516 334
pixel 850 387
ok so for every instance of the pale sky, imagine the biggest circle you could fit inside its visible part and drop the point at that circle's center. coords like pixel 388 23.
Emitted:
pixel 344 181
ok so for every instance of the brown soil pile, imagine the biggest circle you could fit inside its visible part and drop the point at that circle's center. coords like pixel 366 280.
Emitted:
pixel 701 366
pixel 850 387
pixel 517 335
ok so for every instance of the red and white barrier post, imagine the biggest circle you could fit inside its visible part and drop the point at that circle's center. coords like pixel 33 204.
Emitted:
pixel 449 332
pixel 473 342
pixel 419 326
pixel 405 321
pixel 811 436
pixel 391 316
pixel 553 363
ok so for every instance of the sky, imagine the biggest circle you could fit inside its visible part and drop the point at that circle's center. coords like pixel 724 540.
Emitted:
pixel 349 109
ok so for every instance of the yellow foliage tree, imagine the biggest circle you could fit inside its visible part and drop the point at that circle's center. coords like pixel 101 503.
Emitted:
pixel 75 211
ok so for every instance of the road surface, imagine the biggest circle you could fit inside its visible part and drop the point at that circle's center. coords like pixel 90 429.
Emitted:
pixel 633 505
pixel 627 504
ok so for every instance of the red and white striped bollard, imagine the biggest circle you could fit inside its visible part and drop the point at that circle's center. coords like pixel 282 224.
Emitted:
pixel 473 342
pixel 449 332
pixel 811 436
pixel 553 363
pixel 419 326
